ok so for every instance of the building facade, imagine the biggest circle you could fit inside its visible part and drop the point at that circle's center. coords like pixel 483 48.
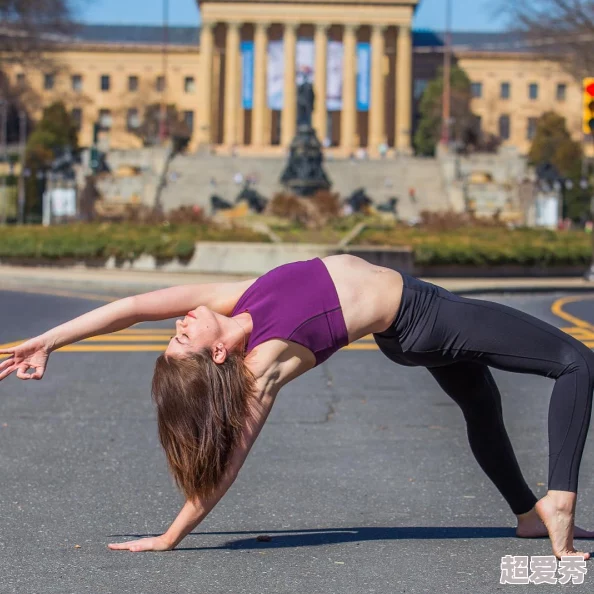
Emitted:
pixel 234 82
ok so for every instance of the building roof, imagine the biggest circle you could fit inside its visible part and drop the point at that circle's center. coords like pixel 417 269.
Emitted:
pixel 190 36
pixel 136 34
pixel 472 41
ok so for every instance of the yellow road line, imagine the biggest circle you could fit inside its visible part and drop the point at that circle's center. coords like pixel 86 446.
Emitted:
pixel 557 309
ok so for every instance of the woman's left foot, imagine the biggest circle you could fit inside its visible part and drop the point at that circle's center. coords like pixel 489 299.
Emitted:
pixel 531 526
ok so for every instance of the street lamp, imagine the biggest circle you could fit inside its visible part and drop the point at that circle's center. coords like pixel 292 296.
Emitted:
pixel 4 148
pixel 447 67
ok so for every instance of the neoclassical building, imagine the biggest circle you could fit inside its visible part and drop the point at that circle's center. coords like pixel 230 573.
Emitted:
pixel 358 53
pixel 234 79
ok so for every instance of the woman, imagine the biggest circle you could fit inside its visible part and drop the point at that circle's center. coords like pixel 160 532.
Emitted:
pixel 239 343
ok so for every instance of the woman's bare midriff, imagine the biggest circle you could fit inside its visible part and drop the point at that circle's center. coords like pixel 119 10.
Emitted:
pixel 370 295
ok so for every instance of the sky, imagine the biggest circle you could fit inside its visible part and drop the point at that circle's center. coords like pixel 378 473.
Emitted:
pixel 468 15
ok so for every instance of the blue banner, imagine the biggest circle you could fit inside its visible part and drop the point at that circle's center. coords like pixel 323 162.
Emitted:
pixel 247 74
pixel 363 75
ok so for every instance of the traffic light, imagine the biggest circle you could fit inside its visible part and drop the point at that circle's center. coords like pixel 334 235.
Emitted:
pixel 588 111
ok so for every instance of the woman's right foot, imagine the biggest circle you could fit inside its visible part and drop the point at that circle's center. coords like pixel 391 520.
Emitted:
pixel 556 510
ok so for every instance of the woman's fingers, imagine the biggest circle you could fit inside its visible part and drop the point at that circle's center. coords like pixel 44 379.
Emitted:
pixel 135 546
pixel 38 374
pixel 9 351
pixel 121 546
pixel 22 371
pixel 7 363
pixel 7 371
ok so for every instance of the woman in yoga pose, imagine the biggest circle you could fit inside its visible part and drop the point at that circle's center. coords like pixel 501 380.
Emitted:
pixel 238 343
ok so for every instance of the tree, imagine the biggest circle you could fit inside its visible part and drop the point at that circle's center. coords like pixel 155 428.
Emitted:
pixel 29 30
pixel 559 27
pixel 31 27
pixel 465 123
pixel 54 133
pixel 175 126
pixel 553 145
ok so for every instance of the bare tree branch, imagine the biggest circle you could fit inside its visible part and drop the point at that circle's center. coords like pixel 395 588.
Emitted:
pixel 556 27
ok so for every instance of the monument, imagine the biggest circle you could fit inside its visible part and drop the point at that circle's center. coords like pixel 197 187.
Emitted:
pixel 304 174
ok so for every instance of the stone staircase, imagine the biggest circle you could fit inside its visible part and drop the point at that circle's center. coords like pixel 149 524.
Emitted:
pixel 192 179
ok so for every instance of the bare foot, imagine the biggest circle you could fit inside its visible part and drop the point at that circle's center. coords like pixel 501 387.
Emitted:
pixel 531 526
pixel 556 510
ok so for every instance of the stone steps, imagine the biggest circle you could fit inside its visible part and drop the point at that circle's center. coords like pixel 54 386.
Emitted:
pixel 193 178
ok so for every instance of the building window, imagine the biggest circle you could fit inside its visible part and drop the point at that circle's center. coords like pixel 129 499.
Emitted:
pixel 561 91
pixel 189 84
pixel 77 83
pixel 160 84
pixel 132 84
pixel 476 88
pixel 189 121
pixel 20 79
pixel 505 90
pixel 133 120
pixel 76 116
pixel 504 127
pixel 105 119
pixel 49 80
pixel 420 86
pixel 533 91
pixel 105 82
pixel 531 129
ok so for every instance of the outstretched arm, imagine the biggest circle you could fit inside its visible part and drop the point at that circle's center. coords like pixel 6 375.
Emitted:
pixel 156 305
pixel 193 512
pixel 115 316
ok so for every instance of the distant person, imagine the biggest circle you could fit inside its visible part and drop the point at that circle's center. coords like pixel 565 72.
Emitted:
pixel 238 344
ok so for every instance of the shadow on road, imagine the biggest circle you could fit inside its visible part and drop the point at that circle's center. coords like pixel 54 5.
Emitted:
pixel 329 536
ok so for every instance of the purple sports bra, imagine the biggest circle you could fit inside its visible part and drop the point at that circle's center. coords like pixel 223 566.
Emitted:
pixel 296 302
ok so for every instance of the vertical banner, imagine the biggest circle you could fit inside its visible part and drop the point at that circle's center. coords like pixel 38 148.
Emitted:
pixel 305 60
pixel 247 74
pixel 363 75
pixel 334 76
pixel 275 75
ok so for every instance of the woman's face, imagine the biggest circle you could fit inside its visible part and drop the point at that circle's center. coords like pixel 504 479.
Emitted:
pixel 200 328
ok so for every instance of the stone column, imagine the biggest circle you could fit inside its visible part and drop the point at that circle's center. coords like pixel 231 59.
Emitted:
pixel 404 90
pixel 259 111
pixel 231 83
pixel 320 114
pixel 289 113
pixel 348 121
pixel 205 84
pixel 377 113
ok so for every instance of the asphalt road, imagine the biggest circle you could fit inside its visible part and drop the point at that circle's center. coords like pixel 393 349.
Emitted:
pixel 363 476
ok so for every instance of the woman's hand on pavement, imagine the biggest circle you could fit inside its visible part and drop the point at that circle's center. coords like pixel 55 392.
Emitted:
pixel 153 543
pixel 31 354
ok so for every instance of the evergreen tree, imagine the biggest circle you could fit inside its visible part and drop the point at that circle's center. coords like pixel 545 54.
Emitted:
pixel 52 134
pixel 553 145
pixel 464 128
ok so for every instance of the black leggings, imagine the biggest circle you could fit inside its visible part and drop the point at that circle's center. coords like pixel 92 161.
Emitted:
pixel 458 339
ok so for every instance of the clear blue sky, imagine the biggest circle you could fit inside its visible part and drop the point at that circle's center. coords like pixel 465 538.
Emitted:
pixel 477 15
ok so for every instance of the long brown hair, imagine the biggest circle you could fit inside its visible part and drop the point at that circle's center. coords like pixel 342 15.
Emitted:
pixel 202 408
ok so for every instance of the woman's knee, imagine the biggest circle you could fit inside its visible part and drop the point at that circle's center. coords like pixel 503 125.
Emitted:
pixel 580 359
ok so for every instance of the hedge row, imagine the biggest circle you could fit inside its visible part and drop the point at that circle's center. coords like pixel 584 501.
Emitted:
pixel 466 246
pixel 488 246
pixel 123 241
